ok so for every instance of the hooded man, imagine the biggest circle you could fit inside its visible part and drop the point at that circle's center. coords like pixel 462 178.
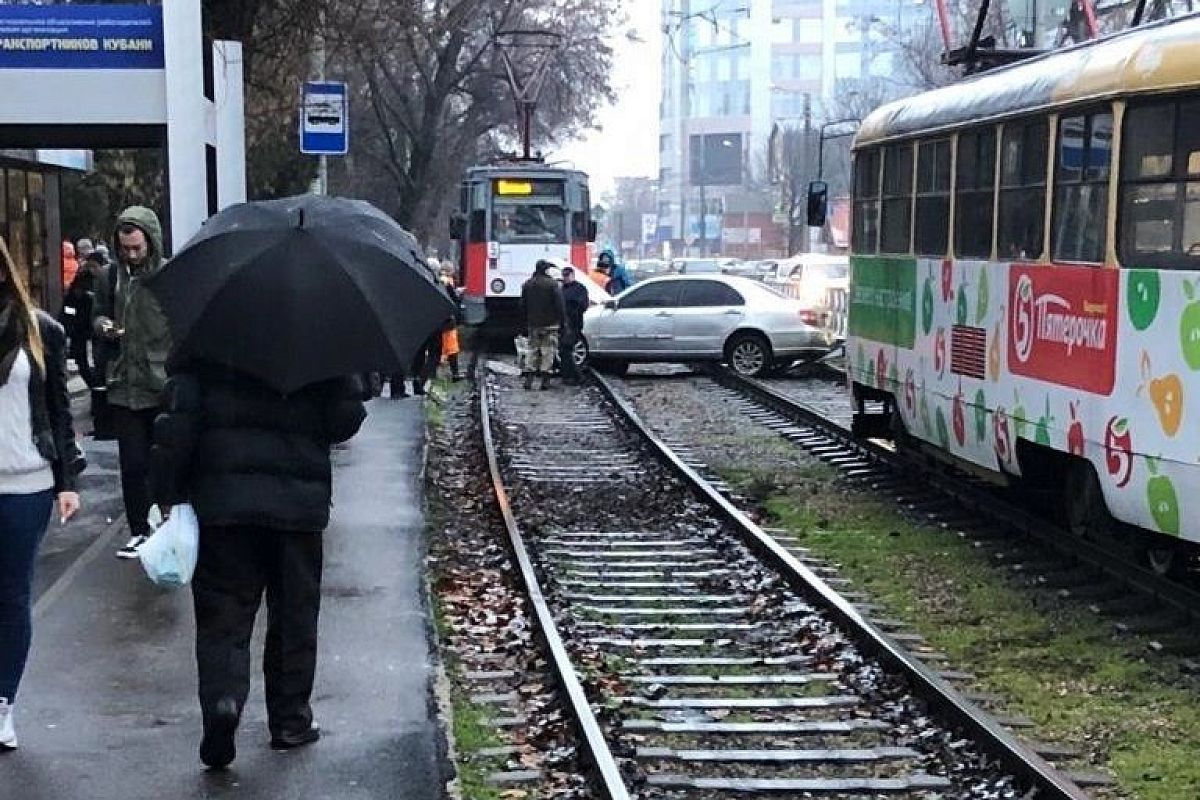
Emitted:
pixel 619 278
pixel 128 315
pixel 542 301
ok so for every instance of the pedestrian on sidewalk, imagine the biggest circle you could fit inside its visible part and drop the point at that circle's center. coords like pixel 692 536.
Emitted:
pixel 425 362
pixel 575 303
pixel 38 465
pixel 254 463
pixel 542 302
pixel 128 315
pixel 78 305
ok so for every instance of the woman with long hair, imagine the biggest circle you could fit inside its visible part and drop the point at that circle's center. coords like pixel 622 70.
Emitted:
pixel 38 465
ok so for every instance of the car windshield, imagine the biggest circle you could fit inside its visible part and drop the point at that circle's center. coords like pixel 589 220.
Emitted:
pixel 514 223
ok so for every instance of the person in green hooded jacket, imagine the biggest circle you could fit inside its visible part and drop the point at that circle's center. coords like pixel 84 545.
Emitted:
pixel 129 317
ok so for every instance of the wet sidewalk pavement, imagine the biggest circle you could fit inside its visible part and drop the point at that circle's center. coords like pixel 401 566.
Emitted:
pixel 108 708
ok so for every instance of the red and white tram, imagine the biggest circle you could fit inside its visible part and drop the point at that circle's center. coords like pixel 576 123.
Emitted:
pixel 512 215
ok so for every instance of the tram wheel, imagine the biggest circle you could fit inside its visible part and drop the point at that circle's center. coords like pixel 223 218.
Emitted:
pixel 1083 508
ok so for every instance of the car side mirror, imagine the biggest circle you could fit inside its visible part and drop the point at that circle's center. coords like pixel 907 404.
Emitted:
pixel 458 226
pixel 611 304
pixel 818 199
pixel 593 229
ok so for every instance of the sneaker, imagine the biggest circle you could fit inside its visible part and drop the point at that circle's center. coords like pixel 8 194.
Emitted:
pixel 8 736
pixel 130 548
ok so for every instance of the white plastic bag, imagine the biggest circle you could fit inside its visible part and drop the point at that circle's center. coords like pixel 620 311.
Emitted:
pixel 169 555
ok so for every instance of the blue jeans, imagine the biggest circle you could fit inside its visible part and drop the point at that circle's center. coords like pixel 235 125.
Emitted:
pixel 23 521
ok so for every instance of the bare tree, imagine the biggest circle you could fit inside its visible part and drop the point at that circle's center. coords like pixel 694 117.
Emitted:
pixel 433 96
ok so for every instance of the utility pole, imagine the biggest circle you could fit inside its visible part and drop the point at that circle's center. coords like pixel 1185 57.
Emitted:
pixel 685 165
pixel 703 198
pixel 807 160
pixel 321 184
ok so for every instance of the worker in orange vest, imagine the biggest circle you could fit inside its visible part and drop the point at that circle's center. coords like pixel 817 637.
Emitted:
pixel 450 346
pixel 70 264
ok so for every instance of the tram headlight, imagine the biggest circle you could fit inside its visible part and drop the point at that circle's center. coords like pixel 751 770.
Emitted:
pixel 497 286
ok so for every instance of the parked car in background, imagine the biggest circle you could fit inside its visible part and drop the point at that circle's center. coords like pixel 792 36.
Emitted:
pixel 758 270
pixel 820 283
pixel 647 268
pixel 714 317
pixel 702 265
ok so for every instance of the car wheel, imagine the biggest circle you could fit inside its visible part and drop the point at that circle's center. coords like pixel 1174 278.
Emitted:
pixel 748 354
pixel 580 352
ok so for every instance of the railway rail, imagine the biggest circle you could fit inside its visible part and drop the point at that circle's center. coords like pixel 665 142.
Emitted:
pixel 697 654
pixel 957 500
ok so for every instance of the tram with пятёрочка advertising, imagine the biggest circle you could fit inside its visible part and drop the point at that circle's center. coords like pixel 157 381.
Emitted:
pixel 512 216
pixel 1025 282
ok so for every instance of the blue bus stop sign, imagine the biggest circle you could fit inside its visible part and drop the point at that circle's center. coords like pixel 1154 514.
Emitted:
pixel 324 119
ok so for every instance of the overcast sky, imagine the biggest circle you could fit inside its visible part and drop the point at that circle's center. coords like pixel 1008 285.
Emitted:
pixel 627 144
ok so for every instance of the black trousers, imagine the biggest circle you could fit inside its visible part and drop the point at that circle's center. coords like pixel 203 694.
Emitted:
pixel 135 435
pixel 236 565
pixel 79 352
pixel 425 362
pixel 566 355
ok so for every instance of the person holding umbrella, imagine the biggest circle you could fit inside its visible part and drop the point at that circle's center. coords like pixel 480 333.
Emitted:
pixel 256 399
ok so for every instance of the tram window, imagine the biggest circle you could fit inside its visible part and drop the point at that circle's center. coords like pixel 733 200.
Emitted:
pixel 579 219
pixel 933 198
pixel 524 222
pixel 896 225
pixel 866 202
pixel 1081 187
pixel 1022 212
pixel 477 227
pixel 1160 198
pixel 974 189
pixel 1150 142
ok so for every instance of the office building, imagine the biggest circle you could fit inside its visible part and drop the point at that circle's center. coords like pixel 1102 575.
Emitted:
pixel 735 70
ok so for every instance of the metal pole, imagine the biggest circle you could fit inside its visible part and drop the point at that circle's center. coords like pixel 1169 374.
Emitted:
pixel 703 198
pixel 321 184
pixel 684 109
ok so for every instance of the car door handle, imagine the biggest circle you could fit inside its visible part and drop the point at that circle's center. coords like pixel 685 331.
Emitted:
pixel 663 314
pixel 734 312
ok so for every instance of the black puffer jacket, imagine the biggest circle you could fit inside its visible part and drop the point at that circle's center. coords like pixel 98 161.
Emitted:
pixel 50 407
pixel 243 454
pixel 542 301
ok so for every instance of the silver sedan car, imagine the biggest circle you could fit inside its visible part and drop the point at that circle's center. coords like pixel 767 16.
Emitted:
pixel 704 318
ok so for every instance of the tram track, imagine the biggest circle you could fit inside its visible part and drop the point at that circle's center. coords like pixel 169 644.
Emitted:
pixel 698 653
pixel 1105 579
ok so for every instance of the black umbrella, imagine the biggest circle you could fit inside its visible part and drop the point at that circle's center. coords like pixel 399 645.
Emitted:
pixel 300 290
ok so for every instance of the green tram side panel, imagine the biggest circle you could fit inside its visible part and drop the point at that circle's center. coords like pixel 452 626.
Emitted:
pixel 883 299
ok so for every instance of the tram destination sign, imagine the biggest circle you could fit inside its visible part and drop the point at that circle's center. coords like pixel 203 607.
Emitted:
pixel 81 37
